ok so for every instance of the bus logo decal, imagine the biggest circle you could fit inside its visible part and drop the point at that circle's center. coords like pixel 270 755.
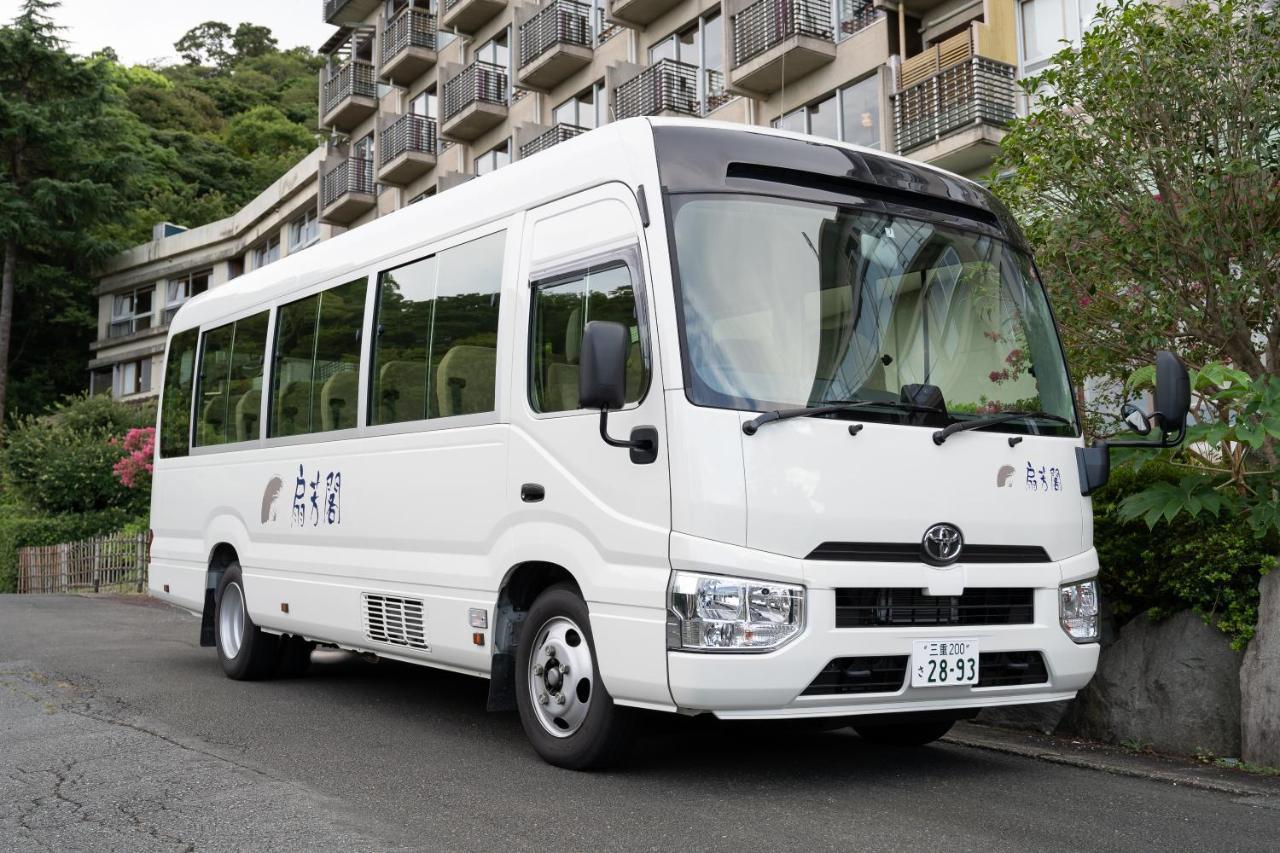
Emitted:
pixel 274 485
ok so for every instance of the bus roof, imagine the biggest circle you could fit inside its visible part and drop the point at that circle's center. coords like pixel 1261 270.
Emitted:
pixel 691 153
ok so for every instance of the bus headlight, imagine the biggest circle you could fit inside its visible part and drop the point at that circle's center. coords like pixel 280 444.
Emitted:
pixel 1078 610
pixel 713 613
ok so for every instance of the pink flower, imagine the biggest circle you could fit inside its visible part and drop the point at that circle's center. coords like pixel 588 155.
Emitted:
pixel 133 469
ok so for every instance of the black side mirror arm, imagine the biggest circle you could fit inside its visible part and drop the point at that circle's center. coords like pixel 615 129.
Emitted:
pixel 643 442
pixel 1094 463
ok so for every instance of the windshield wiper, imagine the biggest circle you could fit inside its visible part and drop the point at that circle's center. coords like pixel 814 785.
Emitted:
pixel 827 407
pixel 992 420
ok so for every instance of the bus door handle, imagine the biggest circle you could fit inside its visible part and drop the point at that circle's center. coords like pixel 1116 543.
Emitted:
pixel 531 493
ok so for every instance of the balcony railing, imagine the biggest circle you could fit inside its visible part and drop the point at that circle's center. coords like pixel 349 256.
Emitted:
pixel 667 85
pixel 605 29
pixel 977 91
pixel 853 16
pixel 479 82
pixel 352 175
pixel 411 28
pixel 331 8
pixel 559 22
pixel 353 78
pixel 767 23
pixel 407 133
pixel 557 134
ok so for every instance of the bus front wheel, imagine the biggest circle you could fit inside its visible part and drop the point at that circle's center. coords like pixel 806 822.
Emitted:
pixel 564 708
pixel 245 650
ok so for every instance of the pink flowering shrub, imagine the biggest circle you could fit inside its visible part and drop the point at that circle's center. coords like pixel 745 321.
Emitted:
pixel 133 470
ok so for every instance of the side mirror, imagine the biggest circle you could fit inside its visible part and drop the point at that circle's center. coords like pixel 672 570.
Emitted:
pixel 602 384
pixel 602 377
pixel 1135 419
pixel 1173 395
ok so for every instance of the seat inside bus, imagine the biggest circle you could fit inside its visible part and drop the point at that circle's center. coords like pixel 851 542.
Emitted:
pixel 247 412
pixel 402 391
pixel 465 380
pixel 338 400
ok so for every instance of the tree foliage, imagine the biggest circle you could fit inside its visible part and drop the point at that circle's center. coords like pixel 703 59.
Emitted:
pixel 1148 180
pixel 108 150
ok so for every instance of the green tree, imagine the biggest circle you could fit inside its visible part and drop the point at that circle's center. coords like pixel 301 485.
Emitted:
pixel 206 45
pixel 252 40
pixel 1148 180
pixel 61 174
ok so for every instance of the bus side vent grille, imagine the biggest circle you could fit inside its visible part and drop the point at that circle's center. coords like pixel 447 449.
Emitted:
pixel 395 621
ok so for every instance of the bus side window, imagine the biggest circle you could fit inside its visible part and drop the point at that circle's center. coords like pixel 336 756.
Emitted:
pixel 436 334
pixel 179 379
pixel 316 370
pixel 562 307
pixel 230 389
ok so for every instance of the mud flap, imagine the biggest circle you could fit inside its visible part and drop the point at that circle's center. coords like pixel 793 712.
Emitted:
pixel 502 683
pixel 206 620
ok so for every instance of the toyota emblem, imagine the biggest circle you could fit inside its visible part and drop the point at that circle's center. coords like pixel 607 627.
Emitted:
pixel 941 544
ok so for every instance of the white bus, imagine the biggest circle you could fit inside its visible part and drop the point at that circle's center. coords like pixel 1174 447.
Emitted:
pixel 676 415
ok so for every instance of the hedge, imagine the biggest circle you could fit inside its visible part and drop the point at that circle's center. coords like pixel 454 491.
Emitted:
pixel 1208 565
pixel 20 528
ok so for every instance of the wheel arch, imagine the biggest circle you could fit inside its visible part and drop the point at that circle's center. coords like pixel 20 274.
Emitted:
pixel 521 586
pixel 221 555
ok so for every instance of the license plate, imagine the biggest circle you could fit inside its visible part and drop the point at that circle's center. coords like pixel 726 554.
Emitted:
pixel 944 663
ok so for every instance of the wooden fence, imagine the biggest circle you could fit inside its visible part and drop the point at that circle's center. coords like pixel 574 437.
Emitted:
pixel 113 563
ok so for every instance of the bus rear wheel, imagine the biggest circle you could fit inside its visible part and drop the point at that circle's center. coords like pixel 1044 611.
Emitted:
pixel 245 650
pixel 566 712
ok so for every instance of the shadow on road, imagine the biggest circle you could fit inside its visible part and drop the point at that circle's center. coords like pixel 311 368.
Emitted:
pixel 667 745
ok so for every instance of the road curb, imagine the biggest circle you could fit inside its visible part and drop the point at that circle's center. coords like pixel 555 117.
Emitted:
pixel 1093 756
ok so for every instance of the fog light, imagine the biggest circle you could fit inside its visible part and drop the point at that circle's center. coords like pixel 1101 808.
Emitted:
pixel 1078 610
pixel 712 613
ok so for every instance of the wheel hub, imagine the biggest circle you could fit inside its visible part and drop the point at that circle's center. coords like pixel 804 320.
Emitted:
pixel 560 676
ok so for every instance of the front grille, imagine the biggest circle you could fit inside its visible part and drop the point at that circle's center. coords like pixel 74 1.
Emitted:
pixel 395 621
pixel 1009 669
pixel 887 674
pixel 878 607
pixel 909 552
pixel 860 675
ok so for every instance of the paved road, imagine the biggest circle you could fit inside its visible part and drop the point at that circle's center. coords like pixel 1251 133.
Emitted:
pixel 117 732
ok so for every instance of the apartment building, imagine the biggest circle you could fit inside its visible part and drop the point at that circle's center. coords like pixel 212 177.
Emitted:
pixel 421 94
pixel 417 96
pixel 142 288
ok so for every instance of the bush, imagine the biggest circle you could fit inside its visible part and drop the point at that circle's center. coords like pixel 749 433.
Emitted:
pixel 18 529
pixel 1206 563
pixel 62 462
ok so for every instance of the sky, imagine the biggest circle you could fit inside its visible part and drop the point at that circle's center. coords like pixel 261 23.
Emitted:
pixel 142 31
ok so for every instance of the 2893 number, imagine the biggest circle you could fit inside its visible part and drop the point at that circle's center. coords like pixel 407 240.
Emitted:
pixel 944 671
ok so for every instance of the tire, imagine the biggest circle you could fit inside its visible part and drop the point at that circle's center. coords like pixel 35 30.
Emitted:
pixel 570 719
pixel 295 657
pixel 245 650
pixel 904 734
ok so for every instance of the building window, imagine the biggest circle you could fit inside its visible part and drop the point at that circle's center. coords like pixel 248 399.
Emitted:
pixel 133 377
pixel 100 381
pixel 701 44
pixel 495 158
pixel 131 312
pixel 850 115
pixel 268 252
pixel 860 112
pixel 584 110
pixel 1046 24
pixel 425 194
pixel 425 104
pixel 304 230
pixel 179 290
pixel 496 50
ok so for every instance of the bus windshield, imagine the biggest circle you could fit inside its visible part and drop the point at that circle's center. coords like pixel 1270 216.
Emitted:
pixel 786 303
